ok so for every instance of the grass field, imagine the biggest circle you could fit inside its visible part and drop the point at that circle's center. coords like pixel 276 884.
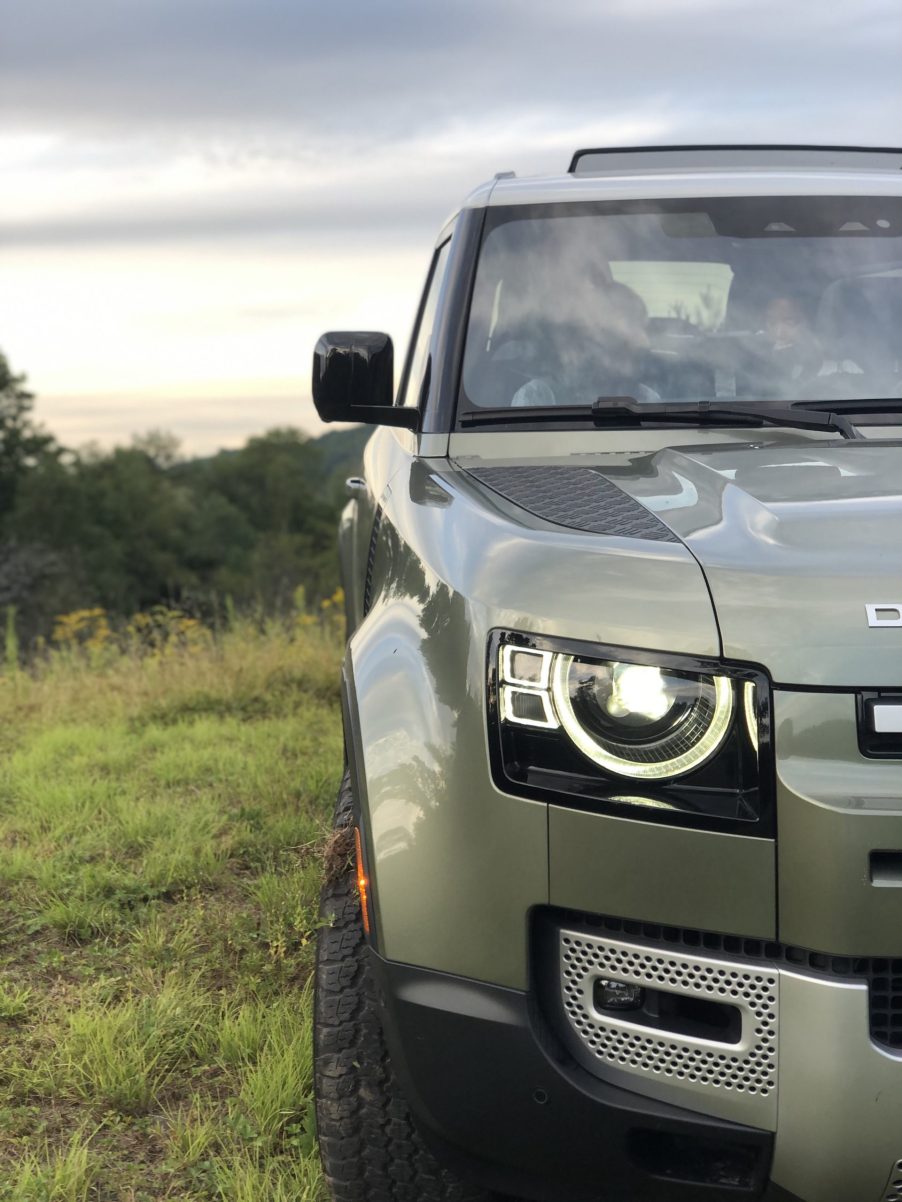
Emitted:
pixel 162 816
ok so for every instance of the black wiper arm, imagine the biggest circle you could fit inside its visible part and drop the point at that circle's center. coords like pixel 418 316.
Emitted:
pixel 524 415
pixel 850 405
pixel 627 411
pixel 613 411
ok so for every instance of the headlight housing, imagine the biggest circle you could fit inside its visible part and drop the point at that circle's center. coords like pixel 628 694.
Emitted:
pixel 681 739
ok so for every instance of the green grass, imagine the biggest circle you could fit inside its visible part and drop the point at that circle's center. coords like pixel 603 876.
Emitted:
pixel 161 826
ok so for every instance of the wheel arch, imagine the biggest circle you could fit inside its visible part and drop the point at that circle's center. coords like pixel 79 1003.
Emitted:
pixel 350 716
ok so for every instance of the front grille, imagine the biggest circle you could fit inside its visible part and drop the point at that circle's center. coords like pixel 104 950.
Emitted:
pixel 883 975
pixel 885 993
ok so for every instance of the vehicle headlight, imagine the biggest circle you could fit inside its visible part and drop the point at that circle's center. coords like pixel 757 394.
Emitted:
pixel 686 730
pixel 638 720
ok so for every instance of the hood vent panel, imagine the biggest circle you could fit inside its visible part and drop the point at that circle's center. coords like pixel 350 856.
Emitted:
pixel 578 497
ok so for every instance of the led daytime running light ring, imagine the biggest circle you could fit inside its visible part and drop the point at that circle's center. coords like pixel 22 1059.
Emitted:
pixel 664 769
pixel 750 699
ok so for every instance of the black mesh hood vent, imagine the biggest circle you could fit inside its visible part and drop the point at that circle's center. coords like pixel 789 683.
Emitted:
pixel 578 497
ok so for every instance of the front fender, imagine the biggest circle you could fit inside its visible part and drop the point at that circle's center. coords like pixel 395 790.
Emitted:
pixel 455 865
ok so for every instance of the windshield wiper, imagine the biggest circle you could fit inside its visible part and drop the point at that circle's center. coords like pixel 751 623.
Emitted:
pixel 880 404
pixel 627 411
pixel 616 410
pixel 525 415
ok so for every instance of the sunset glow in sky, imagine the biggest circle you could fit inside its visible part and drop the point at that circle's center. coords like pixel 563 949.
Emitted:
pixel 195 189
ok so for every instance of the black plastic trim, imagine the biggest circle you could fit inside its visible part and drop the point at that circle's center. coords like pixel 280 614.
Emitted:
pixel 871 744
pixel 371 561
pixel 451 322
pixel 385 415
pixel 595 791
pixel 506 1108
pixel 417 407
pixel 786 686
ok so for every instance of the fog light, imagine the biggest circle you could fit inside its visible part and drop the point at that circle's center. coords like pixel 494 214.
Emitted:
pixel 618 995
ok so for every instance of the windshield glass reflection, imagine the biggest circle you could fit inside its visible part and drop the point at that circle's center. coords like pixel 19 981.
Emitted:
pixel 758 298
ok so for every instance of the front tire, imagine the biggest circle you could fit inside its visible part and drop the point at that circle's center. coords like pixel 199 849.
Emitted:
pixel 370 1149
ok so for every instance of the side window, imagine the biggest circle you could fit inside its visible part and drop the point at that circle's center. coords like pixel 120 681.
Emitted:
pixel 412 385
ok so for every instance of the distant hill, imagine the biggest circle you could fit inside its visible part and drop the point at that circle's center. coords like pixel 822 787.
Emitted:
pixel 342 450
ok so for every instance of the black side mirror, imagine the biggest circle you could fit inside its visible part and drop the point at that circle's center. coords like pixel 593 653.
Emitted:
pixel 353 380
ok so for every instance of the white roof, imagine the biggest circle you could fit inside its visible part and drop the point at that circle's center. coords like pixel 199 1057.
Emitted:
pixel 659 173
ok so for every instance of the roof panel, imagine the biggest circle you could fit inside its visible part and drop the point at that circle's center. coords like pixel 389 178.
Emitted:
pixel 691 184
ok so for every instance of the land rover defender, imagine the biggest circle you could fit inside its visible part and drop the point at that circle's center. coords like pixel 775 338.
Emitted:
pixel 613 907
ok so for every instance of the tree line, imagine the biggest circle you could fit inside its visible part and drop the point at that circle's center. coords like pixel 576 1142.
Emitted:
pixel 133 527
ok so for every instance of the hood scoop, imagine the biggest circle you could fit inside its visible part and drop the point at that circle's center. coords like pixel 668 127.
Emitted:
pixel 580 498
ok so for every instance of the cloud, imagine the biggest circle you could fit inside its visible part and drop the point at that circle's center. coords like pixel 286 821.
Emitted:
pixel 369 72
pixel 403 191
pixel 183 179
pixel 159 113
pixel 211 119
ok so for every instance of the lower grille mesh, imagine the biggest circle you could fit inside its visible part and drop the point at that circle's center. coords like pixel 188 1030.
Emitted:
pixel 883 975
pixel 747 1068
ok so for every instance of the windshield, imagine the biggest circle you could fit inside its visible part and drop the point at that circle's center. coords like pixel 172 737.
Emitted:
pixel 745 299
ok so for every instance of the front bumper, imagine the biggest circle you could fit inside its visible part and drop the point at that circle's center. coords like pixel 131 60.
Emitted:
pixel 804 1060
pixel 502 1102
pixel 839 1137
pixel 519 1093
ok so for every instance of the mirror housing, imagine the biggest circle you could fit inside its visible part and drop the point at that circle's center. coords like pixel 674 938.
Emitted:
pixel 353 380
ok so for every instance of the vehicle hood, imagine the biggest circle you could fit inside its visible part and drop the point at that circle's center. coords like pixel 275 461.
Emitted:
pixel 795 540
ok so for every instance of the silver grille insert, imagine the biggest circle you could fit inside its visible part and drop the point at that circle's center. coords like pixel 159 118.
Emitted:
pixel 893 1191
pixel 733 1080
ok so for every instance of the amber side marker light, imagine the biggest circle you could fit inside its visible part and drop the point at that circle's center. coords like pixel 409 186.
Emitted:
pixel 362 884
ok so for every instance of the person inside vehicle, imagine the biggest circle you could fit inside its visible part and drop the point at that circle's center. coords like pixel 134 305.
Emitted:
pixel 793 352
pixel 606 360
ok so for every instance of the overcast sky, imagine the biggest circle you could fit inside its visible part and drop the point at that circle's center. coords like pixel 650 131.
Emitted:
pixel 193 190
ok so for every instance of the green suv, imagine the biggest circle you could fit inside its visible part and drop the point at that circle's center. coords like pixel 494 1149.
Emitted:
pixel 613 909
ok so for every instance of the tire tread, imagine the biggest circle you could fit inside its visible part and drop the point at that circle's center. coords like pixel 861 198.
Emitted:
pixel 370 1148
